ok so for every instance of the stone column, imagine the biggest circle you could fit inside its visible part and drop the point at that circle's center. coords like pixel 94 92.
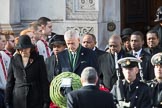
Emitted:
pixel 10 15
pixel 108 21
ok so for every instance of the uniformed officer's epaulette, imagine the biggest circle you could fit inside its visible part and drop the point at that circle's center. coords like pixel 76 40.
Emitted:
pixel 152 83
pixel 142 83
pixel 124 81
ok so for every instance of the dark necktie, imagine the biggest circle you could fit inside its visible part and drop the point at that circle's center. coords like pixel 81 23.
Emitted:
pixel 73 59
pixel 135 54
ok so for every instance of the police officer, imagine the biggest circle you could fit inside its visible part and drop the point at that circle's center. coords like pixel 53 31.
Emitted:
pixel 156 84
pixel 131 92
pixel 158 27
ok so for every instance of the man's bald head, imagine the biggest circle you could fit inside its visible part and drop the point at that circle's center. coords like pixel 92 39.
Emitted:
pixel 115 42
pixel 115 38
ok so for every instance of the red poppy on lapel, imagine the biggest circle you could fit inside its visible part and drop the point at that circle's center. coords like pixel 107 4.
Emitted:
pixel 31 60
pixel 141 57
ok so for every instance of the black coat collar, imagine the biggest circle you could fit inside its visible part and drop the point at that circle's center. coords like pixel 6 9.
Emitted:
pixel 18 59
pixel 92 87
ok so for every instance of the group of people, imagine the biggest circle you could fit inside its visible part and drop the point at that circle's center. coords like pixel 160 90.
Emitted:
pixel 131 72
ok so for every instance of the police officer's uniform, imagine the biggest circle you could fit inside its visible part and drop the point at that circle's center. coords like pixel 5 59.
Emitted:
pixel 134 95
pixel 158 27
pixel 155 86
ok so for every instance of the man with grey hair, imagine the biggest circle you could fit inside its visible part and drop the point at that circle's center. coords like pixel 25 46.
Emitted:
pixel 89 76
pixel 89 96
pixel 75 58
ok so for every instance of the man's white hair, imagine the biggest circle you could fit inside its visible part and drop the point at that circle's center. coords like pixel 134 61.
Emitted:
pixel 89 75
pixel 71 34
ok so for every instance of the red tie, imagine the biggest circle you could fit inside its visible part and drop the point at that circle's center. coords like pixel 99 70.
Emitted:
pixel 3 67
pixel 45 43
pixel 8 53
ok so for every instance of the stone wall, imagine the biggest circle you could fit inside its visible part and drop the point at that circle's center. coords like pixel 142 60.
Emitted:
pixel 86 16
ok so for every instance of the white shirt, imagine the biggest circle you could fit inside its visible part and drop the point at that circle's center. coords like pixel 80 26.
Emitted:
pixel 42 49
pixel 94 49
pixel 4 64
pixel 137 53
pixel 6 59
pixel 3 80
pixel 87 84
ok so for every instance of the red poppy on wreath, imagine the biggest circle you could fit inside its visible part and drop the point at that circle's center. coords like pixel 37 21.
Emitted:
pixel 102 88
pixel 52 105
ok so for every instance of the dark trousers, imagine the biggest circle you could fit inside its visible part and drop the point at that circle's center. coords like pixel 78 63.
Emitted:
pixel 2 95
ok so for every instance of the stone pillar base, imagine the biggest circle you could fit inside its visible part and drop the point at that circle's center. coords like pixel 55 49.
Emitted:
pixel 16 28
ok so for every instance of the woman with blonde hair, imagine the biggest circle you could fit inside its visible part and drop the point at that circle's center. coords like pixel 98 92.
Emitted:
pixel 30 33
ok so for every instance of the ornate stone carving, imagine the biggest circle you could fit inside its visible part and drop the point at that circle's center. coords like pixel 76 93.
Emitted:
pixel 82 30
pixel 81 10
pixel 85 5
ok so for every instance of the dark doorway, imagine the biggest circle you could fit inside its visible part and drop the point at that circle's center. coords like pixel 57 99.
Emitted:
pixel 139 14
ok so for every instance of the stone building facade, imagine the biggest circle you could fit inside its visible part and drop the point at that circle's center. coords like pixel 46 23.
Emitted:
pixel 100 17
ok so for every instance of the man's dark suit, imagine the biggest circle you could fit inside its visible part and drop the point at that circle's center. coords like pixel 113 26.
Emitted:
pixel 86 58
pixel 51 65
pixel 158 28
pixel 107 69
pixel 153 50
pixel 98 52
pixel 89 97
pixel 147 68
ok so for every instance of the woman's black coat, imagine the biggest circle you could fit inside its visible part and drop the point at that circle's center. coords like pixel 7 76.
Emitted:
pixel 27 87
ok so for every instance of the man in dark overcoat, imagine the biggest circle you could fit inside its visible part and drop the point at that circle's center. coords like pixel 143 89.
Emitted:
pixel 75 58
pixel 89 41
pixel 89 96
pixel 153 41
pixel 137 42
pixel 107 70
